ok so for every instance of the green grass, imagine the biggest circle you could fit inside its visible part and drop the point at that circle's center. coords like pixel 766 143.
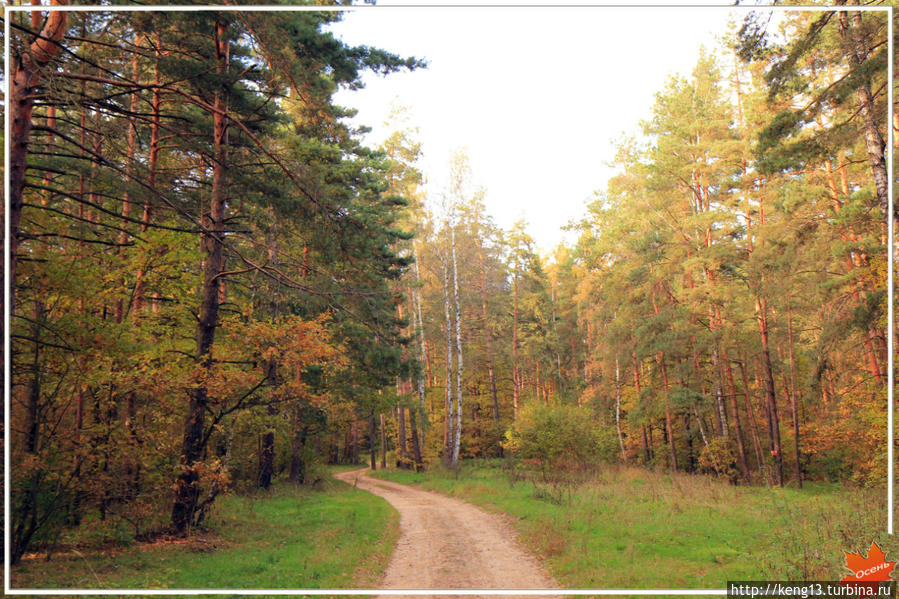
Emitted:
pixel 630 528
pixel 287 537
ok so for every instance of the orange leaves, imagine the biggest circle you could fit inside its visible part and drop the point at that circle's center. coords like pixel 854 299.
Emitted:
pixel 284 340
pixel 290 343
pixel 873 568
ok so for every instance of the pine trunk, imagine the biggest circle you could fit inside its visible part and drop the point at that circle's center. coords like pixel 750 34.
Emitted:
pixel 738 427
pixel 267 453
pixel 24 78
pixel 371 439
pixel 383 444
pixel 416 445
pixel 750 414
pixel 187 484
pixel 646 446
pixel 297 447
pixel 849 237
pixel 32 419
pixel 669 429
pixel 401 459
pixel 857 53
pixel 773 420
pixel 794 400
pixel 354 437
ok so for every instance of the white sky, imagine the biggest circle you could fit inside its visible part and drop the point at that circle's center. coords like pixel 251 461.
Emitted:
pixel 537 96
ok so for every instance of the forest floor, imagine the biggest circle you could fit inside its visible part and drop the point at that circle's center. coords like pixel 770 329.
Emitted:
pixel 333 536
pixel 446 543
pixel 626 527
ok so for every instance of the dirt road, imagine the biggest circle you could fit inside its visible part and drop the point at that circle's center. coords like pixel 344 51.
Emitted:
pixel 446 543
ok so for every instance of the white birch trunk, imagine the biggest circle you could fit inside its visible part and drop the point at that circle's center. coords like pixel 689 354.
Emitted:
pixel 705 440
pixel 618 409
pixel 720 410
pixel 448 422
pixel 421 337
pixel 458 317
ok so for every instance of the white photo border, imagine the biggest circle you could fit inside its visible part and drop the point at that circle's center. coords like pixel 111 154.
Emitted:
pixel 7 10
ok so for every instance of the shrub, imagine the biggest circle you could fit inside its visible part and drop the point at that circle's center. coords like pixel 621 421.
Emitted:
pixel 555 438
pixel 718 458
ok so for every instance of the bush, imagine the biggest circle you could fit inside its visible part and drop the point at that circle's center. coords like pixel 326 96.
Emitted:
pixel 608 445
pixel 556 438
pixel 718 458
pixel 40 500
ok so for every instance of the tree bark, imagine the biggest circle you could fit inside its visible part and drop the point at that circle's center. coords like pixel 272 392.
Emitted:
pixel 773 421
pixel 416 446
pixel 371 440
pixel 401 458
pixel 383 445
pixel 691 459
pixel 266 460
pixel 646 456
pixel 857 53
pixel 297 447
pixel 646 447
pixel 424 354
pixel 267 454
pixel 24 77
pixel 750 414
pixel 849 237
pixel 32 413
pixel 618 409
pixel 702 435
pixel 448 380
pixel 458 320
pixel 738 427
pixel 720 410
pixel 354 434
pixel 794 400
pixel 187 484
pixel 669 429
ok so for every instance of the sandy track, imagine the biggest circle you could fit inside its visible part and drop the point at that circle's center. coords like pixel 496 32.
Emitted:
pixel 446 543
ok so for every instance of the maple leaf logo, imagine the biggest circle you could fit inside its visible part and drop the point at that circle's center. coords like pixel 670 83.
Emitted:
pixel 873 568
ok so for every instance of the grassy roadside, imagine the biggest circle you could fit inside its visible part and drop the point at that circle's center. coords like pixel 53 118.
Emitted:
pixel 288 537
pixel 630 528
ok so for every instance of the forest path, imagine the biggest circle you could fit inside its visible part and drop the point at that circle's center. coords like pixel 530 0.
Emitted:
pixel 446 543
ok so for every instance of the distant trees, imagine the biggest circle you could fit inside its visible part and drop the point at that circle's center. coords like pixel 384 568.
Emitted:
pixel 723 310
pixel 727 237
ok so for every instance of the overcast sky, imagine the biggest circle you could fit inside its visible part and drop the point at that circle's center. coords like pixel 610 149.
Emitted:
pixel 537 96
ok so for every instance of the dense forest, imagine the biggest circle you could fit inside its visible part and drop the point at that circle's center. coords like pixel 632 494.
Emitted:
pixel 216 283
